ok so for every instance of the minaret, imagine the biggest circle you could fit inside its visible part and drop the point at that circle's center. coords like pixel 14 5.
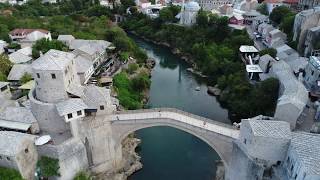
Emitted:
pixel 182 13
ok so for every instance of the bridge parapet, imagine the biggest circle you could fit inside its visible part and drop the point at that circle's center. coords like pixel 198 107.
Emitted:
pixel 177 115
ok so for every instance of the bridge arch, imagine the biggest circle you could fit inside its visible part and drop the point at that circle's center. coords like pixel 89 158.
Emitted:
pixel 218 140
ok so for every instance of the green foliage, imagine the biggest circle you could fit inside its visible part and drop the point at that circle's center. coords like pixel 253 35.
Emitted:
pixel 132 68
pixel 44 45
pixel 141 82
pixel 14 46
pixel 271 51
pixel 279 13
pixel 213 47
pixel 4 31
pixel 25 78
pixel 262 8
pixel 168 14
pixel 5 64
pixel 124 56
pixel 3 77
pixel 126 45
pixel 9 174
pixel 245 100
pixel 82 176
pixel 130 92
pixel 49 167
pixel 202 18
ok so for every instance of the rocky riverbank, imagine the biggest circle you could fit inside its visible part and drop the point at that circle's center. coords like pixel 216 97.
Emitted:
pixel 130 161
pixel 184 56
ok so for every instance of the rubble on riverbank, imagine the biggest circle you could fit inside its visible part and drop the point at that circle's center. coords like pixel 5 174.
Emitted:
pixel 220 170
pixel 214 90
pixel 131 161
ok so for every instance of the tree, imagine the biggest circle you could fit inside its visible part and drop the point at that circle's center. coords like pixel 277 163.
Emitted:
pixel 49 167
pixel 124 56
pixel 5 64
pixel 278 13
pixel 287 25
pixel 25 78
pixel 82 176
pixel 44 45
pixel 166 15
pixel 141 82
pixel 271 51
pixel 9 174
pixel 262 8
pixel 202 18
pixel 4 31
pixel 132 68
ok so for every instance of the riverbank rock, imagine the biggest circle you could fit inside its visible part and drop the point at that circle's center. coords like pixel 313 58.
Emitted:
pixel 214 90
pixel 151 63
pixel 220 170
pixel 130 162
pixel 196 72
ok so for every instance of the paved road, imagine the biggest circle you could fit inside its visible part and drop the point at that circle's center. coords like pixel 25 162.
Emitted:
pixel 180 116
pixel 257 43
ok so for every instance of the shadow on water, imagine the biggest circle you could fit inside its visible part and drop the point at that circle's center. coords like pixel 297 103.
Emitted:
pixel 168 153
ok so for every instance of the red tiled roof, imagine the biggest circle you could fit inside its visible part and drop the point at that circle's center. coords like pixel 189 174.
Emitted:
pixel 291 1
pixel 272 1
pixel 26 31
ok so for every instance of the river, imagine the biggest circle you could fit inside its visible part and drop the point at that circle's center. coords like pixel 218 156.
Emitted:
pixel 168 153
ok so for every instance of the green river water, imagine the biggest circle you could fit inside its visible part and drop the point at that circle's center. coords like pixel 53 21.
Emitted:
pixel 168 153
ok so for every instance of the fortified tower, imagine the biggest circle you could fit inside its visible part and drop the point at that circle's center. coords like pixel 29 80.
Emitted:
pixel 261 146
pixel 54 73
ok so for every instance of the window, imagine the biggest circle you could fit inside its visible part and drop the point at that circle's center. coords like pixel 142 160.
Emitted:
pixel 26 150
pixel 69 115
pixel 66 71
pixel 245 141
pixel 88 114
pixel 312 73
pixel 101 107
pixel 53 76
pixel 8 158
pixel 38 75
pixel 79 113
pixel 4 88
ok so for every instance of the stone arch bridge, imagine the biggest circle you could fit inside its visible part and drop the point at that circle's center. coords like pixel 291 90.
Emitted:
pixel 217 135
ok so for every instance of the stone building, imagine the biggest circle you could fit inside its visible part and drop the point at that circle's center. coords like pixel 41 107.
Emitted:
pixel 261 145
pixel 275 38
pixel 311 43
pixel 303 22
pixel 89 55
pixel 209 5
pixel 189 12
pixel 302 160
pixel 17 151
pixel 246 5
pixel 293 96
pixel 66 110
pixel 267 149
pixel 27 37
pixel 312 75
pixel 308 4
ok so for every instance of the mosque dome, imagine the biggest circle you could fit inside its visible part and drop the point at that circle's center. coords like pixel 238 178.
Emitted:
pixel 192 6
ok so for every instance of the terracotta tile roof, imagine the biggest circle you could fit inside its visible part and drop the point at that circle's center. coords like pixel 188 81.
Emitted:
pixel 272 1
pixel 26 31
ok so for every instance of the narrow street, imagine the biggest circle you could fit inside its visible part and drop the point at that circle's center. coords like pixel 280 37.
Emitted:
pixel 257 43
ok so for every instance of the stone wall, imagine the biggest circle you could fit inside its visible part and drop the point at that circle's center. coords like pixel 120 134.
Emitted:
pixel 47 115
pixel 71 155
